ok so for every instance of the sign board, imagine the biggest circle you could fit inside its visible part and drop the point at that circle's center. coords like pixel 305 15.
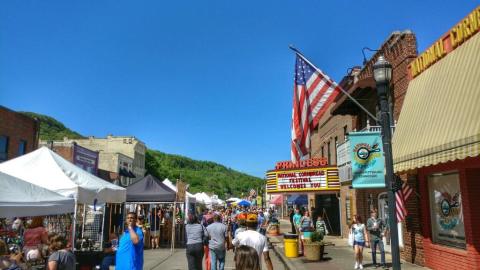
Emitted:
pixel 181 191
pixel 461 32
pixel 85 159
pixel 303 180
pixel 344 161
pixel 368 162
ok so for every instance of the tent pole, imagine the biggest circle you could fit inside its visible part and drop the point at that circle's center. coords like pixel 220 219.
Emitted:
pixel 74 225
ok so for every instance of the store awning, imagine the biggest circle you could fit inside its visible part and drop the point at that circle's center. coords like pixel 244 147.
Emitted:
pixel 130 174
pixel 123 172
pixel 440 117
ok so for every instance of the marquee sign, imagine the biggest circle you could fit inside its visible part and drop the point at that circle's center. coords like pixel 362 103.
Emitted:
pixel 461 32
pixel 303 180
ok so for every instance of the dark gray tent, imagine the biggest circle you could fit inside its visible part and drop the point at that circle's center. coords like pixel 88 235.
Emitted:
pixel 150 189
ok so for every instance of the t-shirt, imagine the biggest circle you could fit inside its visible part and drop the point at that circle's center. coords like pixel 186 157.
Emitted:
pixel 217 232
pixel 359 232
pixel 195 233
pixel 252 239
pixel 65 259
pixel 130 256
pixel 33 237
pixel 296 219
pixel 375 227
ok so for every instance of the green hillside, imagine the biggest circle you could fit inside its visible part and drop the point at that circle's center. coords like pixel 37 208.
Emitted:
pixel 51 129
pixel 203 176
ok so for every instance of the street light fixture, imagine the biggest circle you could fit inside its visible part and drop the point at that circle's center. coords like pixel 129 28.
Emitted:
pixel 382 72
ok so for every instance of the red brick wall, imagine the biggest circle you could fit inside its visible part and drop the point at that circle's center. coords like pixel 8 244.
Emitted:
pixel 65 151
pixel 412 227
pixel 18 127
pixel 443 257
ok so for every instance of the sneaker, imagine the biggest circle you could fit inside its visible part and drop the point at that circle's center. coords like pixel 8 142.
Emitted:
pixel 360 266
pixel 356 265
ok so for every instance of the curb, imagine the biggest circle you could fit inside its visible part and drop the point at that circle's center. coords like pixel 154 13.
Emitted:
pixel 279 253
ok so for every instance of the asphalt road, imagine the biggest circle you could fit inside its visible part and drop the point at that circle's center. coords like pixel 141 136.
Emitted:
pixel 163 259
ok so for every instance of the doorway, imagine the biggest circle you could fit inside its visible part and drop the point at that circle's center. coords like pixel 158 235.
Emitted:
pixel 328 206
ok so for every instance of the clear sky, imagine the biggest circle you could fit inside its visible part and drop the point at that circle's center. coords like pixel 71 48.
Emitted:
pixel 211 80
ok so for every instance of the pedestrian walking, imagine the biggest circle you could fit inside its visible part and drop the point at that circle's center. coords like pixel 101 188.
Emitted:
pixel 246 258
pixel 130 250
pixel 217 231
pixel 254 239
pixel 360 240
pixel 321 226
pixel 61 257
pixel 376 229
pixel 296 220
pixel 291 214
pixel 196 234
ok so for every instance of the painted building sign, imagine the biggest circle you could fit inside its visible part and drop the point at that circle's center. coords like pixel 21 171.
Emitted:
pixel 85 159
pixel 368 162
pixel 460 33
pixel 302 180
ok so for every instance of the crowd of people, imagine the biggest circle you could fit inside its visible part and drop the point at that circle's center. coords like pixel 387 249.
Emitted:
pixel 212 234
pixel 39 246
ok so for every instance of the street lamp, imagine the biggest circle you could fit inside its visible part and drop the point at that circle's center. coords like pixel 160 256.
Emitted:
pixel 382 72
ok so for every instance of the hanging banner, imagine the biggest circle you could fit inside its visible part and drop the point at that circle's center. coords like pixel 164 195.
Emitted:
pixel 368 162
pixel 344 161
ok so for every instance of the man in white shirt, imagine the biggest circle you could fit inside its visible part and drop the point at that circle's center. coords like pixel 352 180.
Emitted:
pixel 254 239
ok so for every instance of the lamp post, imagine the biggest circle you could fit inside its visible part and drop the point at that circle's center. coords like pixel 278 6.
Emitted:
pixel 382 72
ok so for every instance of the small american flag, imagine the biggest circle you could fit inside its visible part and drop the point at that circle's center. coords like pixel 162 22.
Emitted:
pixel 400 197
pixel 312 95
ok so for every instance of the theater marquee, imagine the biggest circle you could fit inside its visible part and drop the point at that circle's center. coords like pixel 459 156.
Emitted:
pixel 305 179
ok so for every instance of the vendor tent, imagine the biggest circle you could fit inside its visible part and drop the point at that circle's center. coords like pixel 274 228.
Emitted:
pixel 203 198
pixel 276 200
pixel 297 200
pixel 172 186
pixel 46 169
pixel 150 189
pixel 244 203
pixel 21 199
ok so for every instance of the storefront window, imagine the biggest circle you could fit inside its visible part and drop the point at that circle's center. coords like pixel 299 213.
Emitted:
pixel 446 210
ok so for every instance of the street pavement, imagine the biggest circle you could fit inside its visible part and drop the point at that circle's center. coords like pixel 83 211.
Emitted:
pixel 163 259
pixel 337 256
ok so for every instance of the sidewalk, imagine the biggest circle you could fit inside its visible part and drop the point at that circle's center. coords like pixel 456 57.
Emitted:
pixel 339 256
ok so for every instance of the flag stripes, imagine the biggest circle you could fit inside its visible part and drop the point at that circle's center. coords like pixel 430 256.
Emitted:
pixel 313 93
pixel 400 197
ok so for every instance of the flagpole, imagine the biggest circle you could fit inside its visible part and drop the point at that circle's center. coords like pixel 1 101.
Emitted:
pixel 341 89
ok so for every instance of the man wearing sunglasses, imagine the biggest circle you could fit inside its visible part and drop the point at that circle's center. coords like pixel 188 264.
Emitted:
pixel 130 250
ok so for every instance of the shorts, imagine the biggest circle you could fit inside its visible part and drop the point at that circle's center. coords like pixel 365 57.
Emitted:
pixel 155 233
pixel 359 243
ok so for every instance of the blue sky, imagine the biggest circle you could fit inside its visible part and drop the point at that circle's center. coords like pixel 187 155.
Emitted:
pixel 211 80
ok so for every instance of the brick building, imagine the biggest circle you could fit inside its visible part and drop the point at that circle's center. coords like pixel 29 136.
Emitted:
pixel 436 149
pixel 345 116
pixel 18 134
pixel 96 158
pixel 80 156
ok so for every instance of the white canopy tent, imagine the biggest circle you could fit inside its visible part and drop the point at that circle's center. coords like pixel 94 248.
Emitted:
pixel 19 198
pixel 173 187
pixel 203 198
pixel 47 169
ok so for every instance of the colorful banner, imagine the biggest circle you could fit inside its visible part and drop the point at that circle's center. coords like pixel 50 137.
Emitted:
pixel 368 162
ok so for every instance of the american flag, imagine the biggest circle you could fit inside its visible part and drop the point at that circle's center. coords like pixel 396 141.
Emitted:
pixel 400 197
pixel 312 95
